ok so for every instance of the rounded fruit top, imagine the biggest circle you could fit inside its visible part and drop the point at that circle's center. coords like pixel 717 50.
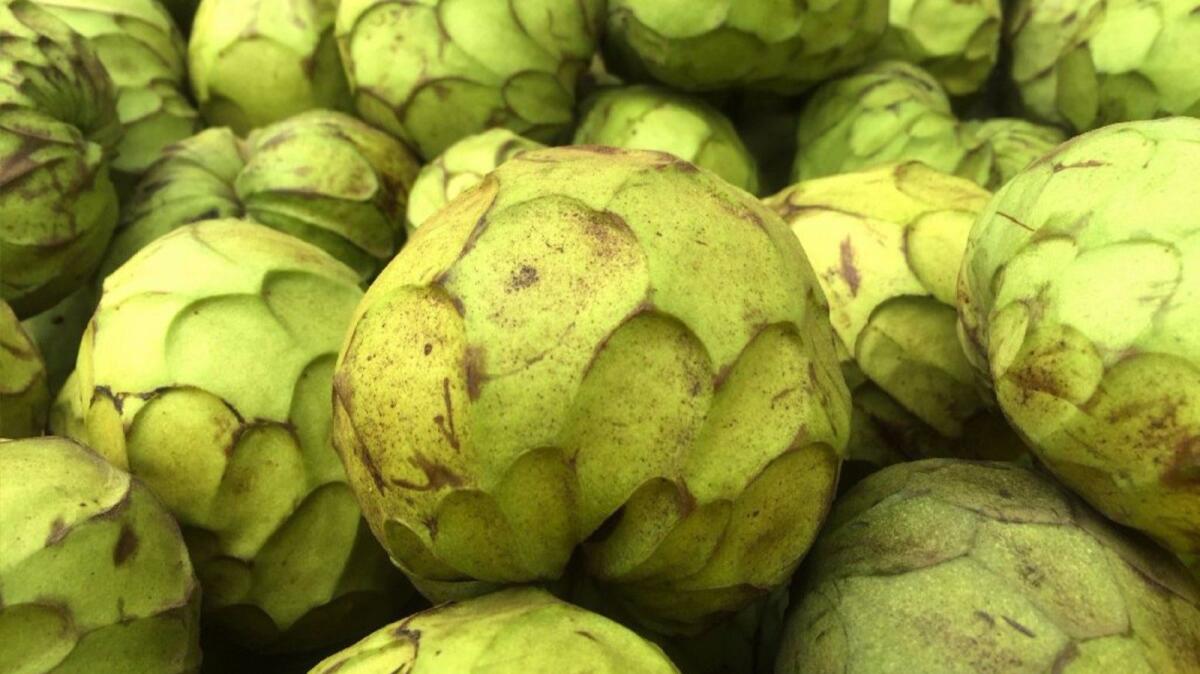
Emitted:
pixel 1078 299
pixel 520 630
pixel 601 348
pixel 963 567
pixel 95 574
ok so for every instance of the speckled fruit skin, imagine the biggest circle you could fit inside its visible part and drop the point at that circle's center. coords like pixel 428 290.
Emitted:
pixel 206 372
pixel 962 567
pixel 95 575
pixel 887 244
pixel 565 360
pixel 58 124
pixel 433 72
pixel 24 396
pixel 520 630
pixel 1079 298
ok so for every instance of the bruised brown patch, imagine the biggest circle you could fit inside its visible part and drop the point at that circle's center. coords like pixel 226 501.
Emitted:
pixel 445 423
pixel 848 269
pixel 127 544
pixel 437 475
pixel 473 365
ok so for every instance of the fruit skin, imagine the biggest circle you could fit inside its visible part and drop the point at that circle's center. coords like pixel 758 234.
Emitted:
pixel 235 440
pixel 1015 143
pixel 95 574
pixel 144 54
pixel 1107 393
pixel 538 362
pixel 885 113
pixel 956 42
pixel 432 88
pixel 68 412
pixel 58 121
pixel 653 118
pixel 955 566
pixel 461 167
pixel 520 630
pixel 255 62
pixel 58 330
pixel 886 244
pixel 321 176
pixel 781 46
pixel 24 397
pixel 1084 64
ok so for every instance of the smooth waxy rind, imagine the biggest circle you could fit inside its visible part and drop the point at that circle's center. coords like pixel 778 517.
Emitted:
pixel 782 46
pixel 562 373
pixel 1084 64
pixel 954 566
pixel 24 396
pixel 206 372
pixel 58 120
pixel 1015 144
pixel 886 245
pixel 95 574
pixel 956 42
pixel 1077 299
pixel 461 167
pixel 520 630
pixel 885 113
pixel 435 71
pixel 652 118
pixel 322 176
pixel 255 62
pixel 144 54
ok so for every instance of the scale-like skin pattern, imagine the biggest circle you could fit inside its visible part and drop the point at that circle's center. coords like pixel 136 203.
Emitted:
pixel 956 41
pixel 590 337
pixel 522 630
pixel 1080 299
pixel 94 576
pixel 206 372
pixel 24 396
pixel 962 567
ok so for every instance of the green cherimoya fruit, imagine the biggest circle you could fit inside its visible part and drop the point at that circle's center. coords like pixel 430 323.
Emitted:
pixel 144 53
pixel 887 244
pixel 461 167
pixel 57 332
pixel 520 630
pixel 24 396
pixel 206 373
pixel 1015 144
pixel 1078 299
pixel 436 71
pixel 652 118
pixel 1088 63
pixel 254 62
pixel 888 112
pixel 960 567
pixel 956 42
pixel 565 360
pixel 67 412
pixel 784 46
pixel 58 121
pixel 96 577
pixel 322 176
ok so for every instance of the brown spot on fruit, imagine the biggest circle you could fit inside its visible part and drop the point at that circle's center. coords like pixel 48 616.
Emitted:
pixel 1184 470
pixel 58 530
pixel 437 475
pixel 445 423
pixel 473 365
pixel 523 278
pixel 848 270
pixel 127 544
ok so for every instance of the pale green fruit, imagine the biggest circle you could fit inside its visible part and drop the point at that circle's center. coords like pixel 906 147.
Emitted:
pixel 604 355
pixel 436 71
pixel 957 42
pixel 321 176
pixel 461 167
pixel 67 412
pixel 1078 299
pixel 96 577
pixel 1088 63
pixel 777 45
pixel 1015 144
pixel 960 567
pixel 887 244
pixel 206 373
pixel 651 118
pixel 521 630
pixel 889 112
pixel 57 332
pixel 254 62
pixel 24 396
pixel 143 51
pixel 58 120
